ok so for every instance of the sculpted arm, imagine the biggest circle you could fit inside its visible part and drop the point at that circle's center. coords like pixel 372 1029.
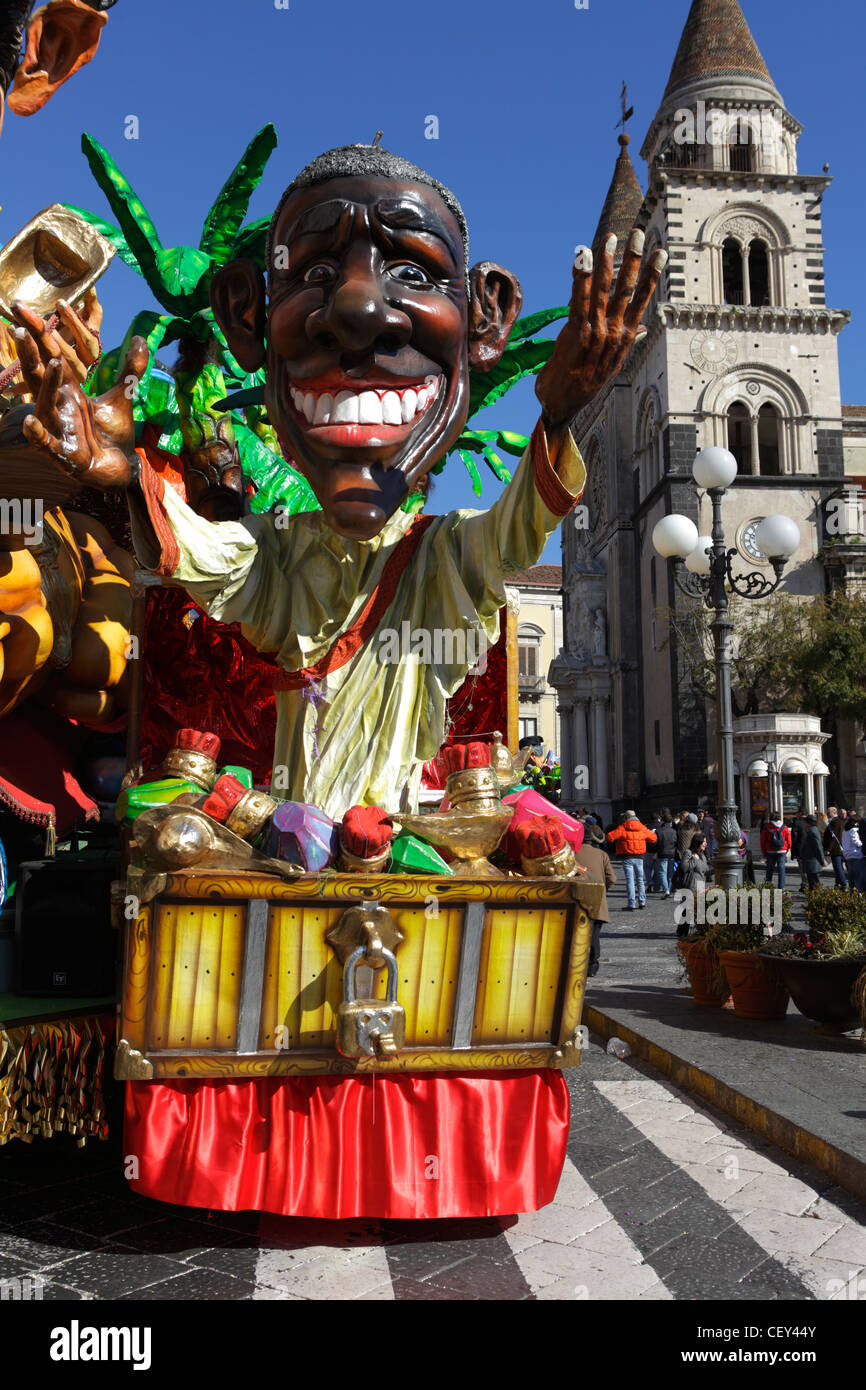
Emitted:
pixel 601 329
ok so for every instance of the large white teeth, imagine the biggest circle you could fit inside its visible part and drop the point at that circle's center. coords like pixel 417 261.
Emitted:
pixel 324 406
pixel 345 410
pixel 369 409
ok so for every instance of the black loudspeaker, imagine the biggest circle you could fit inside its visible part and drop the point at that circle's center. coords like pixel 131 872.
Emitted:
pixel 64 941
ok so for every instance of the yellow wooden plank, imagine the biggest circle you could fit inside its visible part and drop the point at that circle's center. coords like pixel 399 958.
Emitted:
pixel 187 943
pixel 500 970
pixel 550 967
pixel 230 971
pixel 526 928
pixel 270 1019
pixel 451 919
pixel 319 990
pixel 206 977
pixel 162 965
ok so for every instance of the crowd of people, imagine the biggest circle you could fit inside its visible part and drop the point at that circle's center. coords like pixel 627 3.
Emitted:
pixel 671 852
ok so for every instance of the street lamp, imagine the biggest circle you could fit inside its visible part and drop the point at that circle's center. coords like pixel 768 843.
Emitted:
pixel 709 575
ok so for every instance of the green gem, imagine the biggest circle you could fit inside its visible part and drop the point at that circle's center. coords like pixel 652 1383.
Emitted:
pixel 133 800
pixel 409 855
pixel 243 775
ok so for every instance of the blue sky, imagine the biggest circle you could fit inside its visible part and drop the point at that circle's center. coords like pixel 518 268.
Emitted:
pixel 526 94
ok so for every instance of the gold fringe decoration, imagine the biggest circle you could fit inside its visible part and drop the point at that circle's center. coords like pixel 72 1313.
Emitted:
pixel 51 1080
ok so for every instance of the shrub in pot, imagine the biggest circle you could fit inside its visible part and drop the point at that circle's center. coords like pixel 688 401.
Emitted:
pixel 721 957
pixel 757 989
pixel 825 967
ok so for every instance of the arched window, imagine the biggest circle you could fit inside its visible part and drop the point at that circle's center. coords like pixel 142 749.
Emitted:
pixel 529 656
pixel 649 447
pixel 741 147
pixel 768 442
pixel 732 271
pixel 759 273
pixel 740 436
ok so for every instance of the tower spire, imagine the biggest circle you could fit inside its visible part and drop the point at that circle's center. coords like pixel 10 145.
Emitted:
pixel 717 43
pixel 625 196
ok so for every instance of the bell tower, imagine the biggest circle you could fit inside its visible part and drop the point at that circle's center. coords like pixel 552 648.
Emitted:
pixel 741 352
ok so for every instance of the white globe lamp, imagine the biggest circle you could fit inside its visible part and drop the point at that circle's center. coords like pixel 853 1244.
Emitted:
pixel 699 561
pixel 777 537
pixel 675 537
pixel 714 467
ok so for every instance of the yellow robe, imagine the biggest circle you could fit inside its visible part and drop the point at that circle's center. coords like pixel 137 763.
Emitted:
pixel 362 735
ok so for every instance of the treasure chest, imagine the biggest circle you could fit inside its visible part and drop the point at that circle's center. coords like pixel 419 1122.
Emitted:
pixel 233 974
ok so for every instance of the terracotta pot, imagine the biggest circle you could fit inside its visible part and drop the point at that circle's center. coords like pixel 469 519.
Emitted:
pixel 821 989
pixel 701 965
pixel 757 988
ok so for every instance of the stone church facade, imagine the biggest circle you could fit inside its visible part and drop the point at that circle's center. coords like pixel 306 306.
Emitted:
pixel 742 352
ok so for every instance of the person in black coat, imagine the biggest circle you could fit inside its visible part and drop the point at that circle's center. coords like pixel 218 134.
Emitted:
pixel 812 853
pixel 666 853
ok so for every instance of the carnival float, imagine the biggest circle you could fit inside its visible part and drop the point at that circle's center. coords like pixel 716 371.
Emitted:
pixel 257 708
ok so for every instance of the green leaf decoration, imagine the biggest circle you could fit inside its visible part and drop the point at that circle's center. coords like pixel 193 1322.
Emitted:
pixel 135 221
pixel 224 221
pixel 250 242
pixel 472 470
pixel 111 233
pixel 181 270
pixel 515 363
pixel 277 483
pixel 528 327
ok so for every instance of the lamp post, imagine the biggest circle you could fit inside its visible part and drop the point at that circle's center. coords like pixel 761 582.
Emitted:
pixel 710 574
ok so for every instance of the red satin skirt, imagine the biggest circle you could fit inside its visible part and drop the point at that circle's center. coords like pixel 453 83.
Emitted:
pixel 398 1147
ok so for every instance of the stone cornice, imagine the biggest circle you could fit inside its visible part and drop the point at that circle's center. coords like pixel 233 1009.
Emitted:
pixel 733 317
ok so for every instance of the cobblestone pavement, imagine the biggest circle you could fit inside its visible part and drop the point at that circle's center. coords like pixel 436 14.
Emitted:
pixel 660 1199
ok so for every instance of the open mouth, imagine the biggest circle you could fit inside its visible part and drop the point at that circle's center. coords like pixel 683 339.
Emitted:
pixel 365 413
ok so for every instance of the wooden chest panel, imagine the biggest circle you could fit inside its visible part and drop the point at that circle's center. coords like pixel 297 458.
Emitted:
pixel 233 976
pixel 521 964
pixel 196 969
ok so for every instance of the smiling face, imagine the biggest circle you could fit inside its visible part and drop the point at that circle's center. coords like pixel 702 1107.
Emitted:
pixel 370 336
pixel 367 342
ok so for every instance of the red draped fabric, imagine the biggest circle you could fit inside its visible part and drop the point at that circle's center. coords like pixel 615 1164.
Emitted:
pixel 399 1147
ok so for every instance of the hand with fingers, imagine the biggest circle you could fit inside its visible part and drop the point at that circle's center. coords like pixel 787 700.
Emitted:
pixel 601 328
pixel 91 439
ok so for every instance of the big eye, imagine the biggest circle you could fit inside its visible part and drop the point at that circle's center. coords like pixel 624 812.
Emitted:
pixel 409 274
pixel 320 274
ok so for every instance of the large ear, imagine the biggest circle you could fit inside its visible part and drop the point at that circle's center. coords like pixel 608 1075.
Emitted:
pixel 495 299
pixel 237 297
pixel 61 38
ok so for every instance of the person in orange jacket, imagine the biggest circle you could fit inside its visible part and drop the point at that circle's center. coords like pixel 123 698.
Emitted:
pixel 631 838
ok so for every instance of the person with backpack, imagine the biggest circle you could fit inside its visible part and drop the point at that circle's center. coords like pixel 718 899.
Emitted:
pixel 666 853
pixel 775 844
pixel 835 852
pixel 631 838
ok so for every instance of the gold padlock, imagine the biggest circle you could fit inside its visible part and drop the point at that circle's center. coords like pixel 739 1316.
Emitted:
pixel 370 1027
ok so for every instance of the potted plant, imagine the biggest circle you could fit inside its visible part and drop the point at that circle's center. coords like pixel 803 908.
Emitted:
pixel 701 967
pixel 721 959
pixel 824 967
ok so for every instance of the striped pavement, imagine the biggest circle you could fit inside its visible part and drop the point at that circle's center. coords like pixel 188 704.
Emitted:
pixel 660 1199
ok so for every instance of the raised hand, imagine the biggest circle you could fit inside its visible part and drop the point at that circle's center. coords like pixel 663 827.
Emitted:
pixel 91 439
pixel 601 328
